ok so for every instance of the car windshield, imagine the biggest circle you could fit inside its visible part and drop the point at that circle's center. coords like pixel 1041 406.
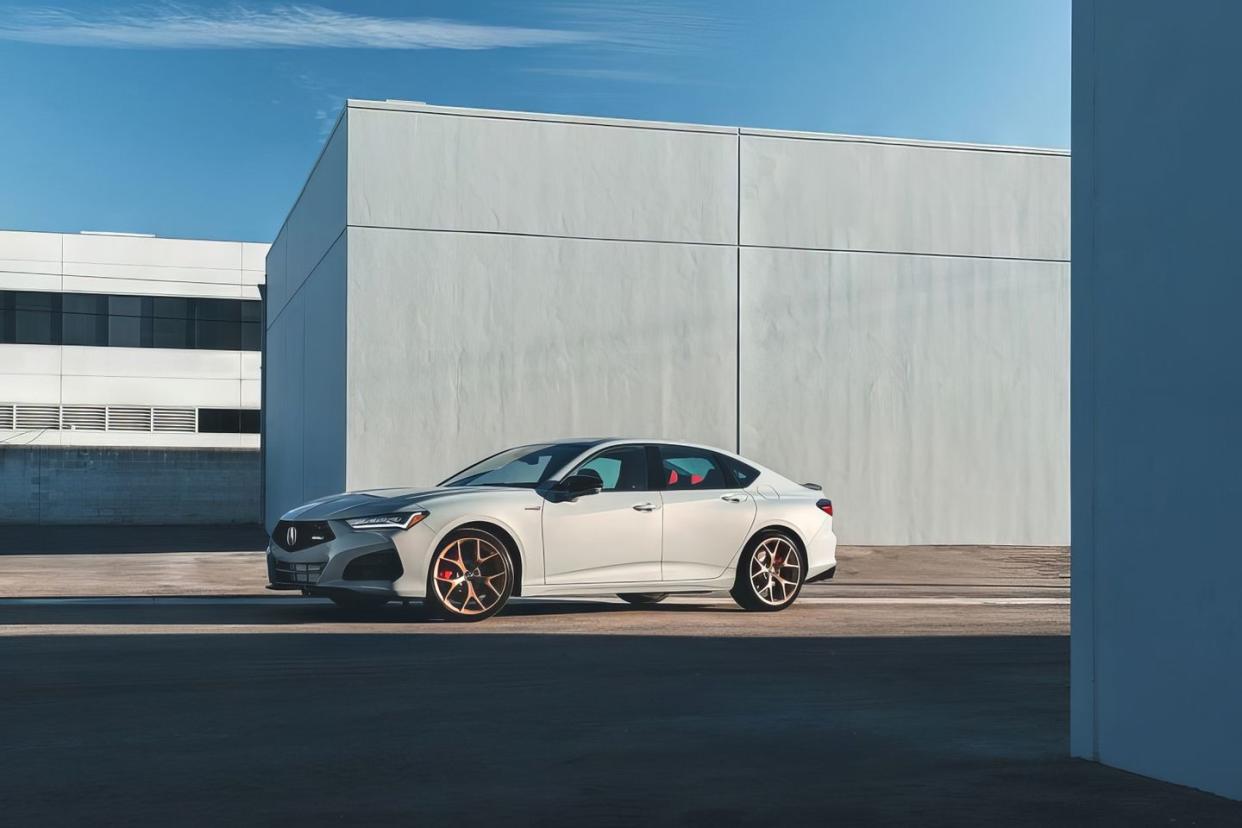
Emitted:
pixel 524 466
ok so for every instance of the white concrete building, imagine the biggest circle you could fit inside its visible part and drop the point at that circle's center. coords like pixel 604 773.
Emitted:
pixel 1156 664
pixel 125 342
pixel 886 317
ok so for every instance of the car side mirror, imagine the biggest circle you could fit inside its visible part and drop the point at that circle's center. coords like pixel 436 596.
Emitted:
pixel 577 485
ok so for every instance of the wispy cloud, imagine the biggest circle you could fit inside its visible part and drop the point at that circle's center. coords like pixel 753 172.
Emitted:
pixel 292 27
pixel 668 26
pixel 603 74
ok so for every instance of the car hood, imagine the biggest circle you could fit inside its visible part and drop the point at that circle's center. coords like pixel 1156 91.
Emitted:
pixel 379 501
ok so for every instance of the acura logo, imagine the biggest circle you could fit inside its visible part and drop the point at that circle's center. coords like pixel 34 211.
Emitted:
pixel 291 536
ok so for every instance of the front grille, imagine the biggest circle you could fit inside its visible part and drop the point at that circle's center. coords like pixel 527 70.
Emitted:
pixel 297 574
pixel 305 534
pixel 375 566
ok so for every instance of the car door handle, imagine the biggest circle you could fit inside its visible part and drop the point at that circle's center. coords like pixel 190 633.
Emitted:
pixel 644 507
pixel 733 498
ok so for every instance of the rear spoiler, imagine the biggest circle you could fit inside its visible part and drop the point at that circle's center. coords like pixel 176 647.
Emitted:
pixel 814 486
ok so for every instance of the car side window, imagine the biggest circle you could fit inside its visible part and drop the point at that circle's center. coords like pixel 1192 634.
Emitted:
pixel 744 474
pixel 690 469
pixel 620 469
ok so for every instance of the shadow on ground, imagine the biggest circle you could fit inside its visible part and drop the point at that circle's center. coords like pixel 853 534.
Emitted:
pixel 521 729
pixel 292 611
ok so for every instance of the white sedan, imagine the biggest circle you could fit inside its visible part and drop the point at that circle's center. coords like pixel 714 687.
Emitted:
pixel 639 518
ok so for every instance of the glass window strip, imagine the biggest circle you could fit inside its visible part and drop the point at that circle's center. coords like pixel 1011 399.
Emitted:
pixel 127 320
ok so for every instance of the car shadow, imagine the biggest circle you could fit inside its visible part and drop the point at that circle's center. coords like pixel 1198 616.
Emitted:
pixel 277 612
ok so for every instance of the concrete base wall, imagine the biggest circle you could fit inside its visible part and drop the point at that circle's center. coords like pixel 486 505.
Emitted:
pixel 49 485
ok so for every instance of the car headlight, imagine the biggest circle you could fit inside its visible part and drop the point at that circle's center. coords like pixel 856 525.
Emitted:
pixel 393 520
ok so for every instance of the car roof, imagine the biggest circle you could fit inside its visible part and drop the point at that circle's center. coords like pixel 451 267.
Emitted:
pixel 593 442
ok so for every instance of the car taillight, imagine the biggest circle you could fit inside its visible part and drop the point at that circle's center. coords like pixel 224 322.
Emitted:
pixel 825 505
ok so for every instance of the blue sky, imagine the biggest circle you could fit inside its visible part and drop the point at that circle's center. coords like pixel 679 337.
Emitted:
pixel 202 119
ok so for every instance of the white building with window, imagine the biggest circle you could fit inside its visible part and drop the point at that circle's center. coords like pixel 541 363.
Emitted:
pixel 135 346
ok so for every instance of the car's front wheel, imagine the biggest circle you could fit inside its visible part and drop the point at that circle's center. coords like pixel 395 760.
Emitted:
pixel 769 574
pixel 471 576
pixel 643 598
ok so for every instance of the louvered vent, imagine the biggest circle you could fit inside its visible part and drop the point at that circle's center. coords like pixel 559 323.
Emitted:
pixel 128 418
pixel 175 419
pixel 21 417
pixel 38 417
pixel 84 418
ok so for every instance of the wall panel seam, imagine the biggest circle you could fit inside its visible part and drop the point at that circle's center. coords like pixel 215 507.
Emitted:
pixel 554 236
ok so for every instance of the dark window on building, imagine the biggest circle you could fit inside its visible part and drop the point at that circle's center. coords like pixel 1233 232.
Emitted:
pixel 172 323
pixel 251 322
pixel 35 318
pixel 126 321
pixel 46 318
pixel 218 324
pixel 84 319
pixel 228 421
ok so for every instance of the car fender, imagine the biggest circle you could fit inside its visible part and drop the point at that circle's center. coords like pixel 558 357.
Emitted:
pixel 531 564
pixel 763 522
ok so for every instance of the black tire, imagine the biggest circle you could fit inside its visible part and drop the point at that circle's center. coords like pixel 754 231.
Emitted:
pixel 358 601
pixel 779 567
pixel 467 564
pixel 642 598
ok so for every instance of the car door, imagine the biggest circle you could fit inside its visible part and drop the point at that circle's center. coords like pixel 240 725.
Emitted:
pixel 609 537
pixel 706 517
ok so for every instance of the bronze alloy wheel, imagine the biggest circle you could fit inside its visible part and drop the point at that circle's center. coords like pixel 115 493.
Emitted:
pixel 771 574
pixel 471 576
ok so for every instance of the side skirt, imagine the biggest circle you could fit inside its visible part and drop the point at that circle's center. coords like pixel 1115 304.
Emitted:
pixel 671 587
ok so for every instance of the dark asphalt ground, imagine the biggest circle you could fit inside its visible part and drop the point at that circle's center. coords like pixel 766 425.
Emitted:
pixel 872 710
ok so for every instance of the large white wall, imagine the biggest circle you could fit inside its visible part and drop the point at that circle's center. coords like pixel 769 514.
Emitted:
pixel 904 333
pixel 526 277
pixel 1156 665
pixel 106 376
pixel 305 342
pixel 515 277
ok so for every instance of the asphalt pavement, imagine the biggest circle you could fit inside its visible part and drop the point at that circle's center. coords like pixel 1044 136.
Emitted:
pixel 925 686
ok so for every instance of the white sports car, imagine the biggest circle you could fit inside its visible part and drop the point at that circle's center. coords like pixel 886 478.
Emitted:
pixel 639 518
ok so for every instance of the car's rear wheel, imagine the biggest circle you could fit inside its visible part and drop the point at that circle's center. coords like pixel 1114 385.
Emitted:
pixel 471 576
pixel 642 598
pixel 356 601
pixel 770 573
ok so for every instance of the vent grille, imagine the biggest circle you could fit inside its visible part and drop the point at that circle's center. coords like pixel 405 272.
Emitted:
pixel 125 418
pixel 294 536
pixel 174 419
pixel 38 417
pixel 83 418
pixel 289 573
pixel 23 417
